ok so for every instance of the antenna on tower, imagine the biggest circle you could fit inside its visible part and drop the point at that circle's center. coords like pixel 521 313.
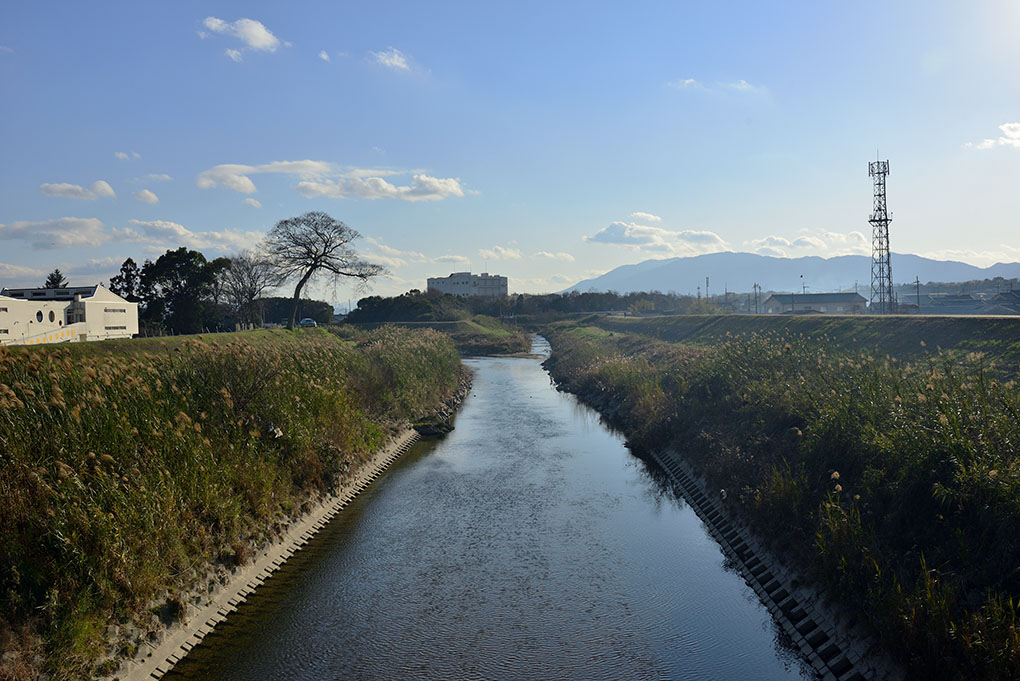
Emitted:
pixel 882 301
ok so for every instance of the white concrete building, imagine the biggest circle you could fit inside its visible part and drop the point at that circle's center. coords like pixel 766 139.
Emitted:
pixel 30 316
pixel 467 284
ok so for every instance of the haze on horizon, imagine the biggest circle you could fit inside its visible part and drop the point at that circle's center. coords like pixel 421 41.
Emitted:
pixel 547 143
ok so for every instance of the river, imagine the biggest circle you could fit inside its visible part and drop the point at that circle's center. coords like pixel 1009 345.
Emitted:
pixel 527 544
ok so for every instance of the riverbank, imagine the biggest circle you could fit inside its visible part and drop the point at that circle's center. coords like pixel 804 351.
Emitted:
pixel 131 471
pixel 218 595
pixel 474 336
pixel 892 486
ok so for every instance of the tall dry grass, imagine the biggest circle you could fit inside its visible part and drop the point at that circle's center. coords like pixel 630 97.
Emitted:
pixel 896 485
pixel 122 469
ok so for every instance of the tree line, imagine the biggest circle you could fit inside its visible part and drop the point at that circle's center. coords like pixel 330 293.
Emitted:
pixel 432 306
pixel 184 292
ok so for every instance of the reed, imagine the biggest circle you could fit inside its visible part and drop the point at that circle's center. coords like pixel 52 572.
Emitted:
pixel 895 485
pixel 124 467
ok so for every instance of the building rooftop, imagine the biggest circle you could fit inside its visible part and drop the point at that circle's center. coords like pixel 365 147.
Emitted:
pixel 66 293
pixel 789 298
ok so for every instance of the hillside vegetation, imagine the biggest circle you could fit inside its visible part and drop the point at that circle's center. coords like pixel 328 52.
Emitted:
pixel 894 485
pixel 125 466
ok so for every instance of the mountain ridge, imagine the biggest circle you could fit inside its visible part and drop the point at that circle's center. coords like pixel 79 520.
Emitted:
pixel 734 271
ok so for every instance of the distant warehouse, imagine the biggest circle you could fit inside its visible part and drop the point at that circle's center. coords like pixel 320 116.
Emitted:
pixel 467 284
pixel 821 303
pixel 31 316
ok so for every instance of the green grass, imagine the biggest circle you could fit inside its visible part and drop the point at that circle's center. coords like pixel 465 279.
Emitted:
pixel 124 465
pixel 895 485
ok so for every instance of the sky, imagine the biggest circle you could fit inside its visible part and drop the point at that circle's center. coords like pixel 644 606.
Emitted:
pixel 546 141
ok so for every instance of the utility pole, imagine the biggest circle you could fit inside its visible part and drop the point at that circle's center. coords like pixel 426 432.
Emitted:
pixel 706 288
pixel 917 289
pixel 882 301
pixel 757 289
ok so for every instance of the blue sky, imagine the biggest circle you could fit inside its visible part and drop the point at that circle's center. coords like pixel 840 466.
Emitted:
pixel 549 142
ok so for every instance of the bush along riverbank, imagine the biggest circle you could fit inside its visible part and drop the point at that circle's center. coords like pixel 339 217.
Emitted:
pixel 894 486
pixel 126 468
pixel 478 335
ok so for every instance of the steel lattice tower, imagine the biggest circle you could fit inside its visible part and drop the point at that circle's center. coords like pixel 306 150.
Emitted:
pixel 882 301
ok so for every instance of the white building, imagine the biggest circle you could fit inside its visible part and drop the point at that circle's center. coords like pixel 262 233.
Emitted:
pixel 467 284
pixel 30 316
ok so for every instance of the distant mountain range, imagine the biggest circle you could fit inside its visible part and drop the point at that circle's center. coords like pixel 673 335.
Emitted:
pixel 739 271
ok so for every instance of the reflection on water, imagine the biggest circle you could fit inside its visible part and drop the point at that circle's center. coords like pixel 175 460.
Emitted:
pixel 526 544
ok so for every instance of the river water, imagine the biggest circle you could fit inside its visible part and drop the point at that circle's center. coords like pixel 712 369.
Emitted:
pixel 527 544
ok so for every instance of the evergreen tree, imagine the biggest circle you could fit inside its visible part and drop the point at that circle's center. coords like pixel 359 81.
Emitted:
pixel 55 280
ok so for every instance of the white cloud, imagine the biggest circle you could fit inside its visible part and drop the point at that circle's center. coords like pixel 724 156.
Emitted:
pixel 323 55
pixel 684 83
pixel 233 54
pixel 8 50
pixel 565 257
pixel 253 34
pixel 126 156
pixel 146 196
pixel 71 232
pixel 59 233
pixel 1005 253
pixel 354 183
pixel 414 256
pixel 166 233
pixel 391 58
pixel 99 188
pixel 93 266
pixel 1010 137
pixel 645 217
pixel 159 177
pixel 740 85
pixel 390 256
pixel 235 176
pixel 659 239
pixel 499 253
pixel 422 188
pixel 13 275
pixel 102 188
pixel 825 244
pixel 372 172
pixel 254 203
pixel 458 259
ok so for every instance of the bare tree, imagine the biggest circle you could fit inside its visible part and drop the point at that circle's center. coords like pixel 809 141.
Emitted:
pixel 314 244
pixel 249 275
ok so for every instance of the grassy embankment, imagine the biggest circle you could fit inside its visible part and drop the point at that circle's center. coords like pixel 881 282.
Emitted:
pixel 127 466
pixel 998 338
pixel 476 335
pixel 894 485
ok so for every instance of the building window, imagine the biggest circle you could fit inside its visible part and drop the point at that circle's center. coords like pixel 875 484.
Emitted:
pixel 114 309
pixel 3 309
pixel 53 316
pixel 116 328
pixel 38 316
pixel 4 332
